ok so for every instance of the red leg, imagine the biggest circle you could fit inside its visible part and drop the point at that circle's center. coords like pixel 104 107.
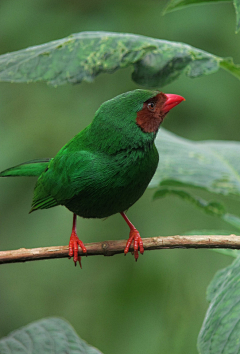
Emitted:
pixel 74 243
pixel 135 237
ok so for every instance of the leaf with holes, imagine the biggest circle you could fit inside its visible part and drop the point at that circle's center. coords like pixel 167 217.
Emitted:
pixel 83 56
pixel 210 165
pixel 48 336
pixel 220 329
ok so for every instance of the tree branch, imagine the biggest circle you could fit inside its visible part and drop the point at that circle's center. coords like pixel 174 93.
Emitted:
pixel 109 248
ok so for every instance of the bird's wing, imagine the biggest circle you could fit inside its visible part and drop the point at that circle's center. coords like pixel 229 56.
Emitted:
pixel 66 176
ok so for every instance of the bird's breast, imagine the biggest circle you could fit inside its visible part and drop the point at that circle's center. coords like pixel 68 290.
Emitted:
pixel 117 183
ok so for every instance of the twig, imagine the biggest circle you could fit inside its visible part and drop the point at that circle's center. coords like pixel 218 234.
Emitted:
pixel 109 248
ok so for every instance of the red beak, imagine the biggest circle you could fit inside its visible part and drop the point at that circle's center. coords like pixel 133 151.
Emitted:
pixel 172 101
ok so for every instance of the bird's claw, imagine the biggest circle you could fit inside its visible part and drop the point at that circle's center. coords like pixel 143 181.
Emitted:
pixel 73 248
pixel 137 243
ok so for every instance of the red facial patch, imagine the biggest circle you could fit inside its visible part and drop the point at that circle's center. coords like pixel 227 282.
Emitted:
pixel 152 114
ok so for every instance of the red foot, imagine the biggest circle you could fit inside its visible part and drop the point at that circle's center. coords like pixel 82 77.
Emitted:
pixel 74 242
pixel 137 243
pixel 73 248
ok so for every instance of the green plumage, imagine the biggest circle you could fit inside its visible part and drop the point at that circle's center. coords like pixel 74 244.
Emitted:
pixel 104 169
pixel 30 168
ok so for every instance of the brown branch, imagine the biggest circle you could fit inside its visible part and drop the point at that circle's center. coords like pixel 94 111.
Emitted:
pixel 109 248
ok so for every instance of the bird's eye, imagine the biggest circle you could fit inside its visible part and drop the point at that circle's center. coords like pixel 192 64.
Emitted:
pixel 151 106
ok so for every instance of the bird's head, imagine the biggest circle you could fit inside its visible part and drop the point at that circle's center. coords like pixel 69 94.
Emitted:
pixel 140 108
pixel 131 119
pixel 155 109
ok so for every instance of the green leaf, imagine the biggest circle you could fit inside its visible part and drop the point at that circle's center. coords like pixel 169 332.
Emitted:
pixel 178 4
pixel 236 4
pixel 210 165
pixel 232 220
pixel 228 65
pixel 83 56
pixel 217 283
pixel 48 336
pixel 213 208
pixel 220 329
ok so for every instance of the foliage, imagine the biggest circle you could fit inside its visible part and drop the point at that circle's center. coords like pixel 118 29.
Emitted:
pixel 83 56
pixel 209 166
pixel 178 4
pixel 214 167
pixel 220 330
pixel 50 335
pixel 202 164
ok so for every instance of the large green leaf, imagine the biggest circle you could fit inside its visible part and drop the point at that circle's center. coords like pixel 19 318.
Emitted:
pixel 213 208
pixel 47 336
pixel 178 4
pixel 210 165
pixel 221 327
pixel 82 56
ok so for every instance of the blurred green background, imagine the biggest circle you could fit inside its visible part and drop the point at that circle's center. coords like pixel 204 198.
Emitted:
pixel 156 305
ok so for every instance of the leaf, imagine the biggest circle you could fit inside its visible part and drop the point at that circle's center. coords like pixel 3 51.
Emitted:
pixel 213 208
pixel 48 336
pixel 220 329
pixel 83 56
pixel 178 4
pixel 228 65
pixel 210 165
pixel 236 4
pixel 217 282
pixel 232 220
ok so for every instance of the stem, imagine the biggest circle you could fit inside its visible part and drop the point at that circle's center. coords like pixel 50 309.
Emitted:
pixel 109 248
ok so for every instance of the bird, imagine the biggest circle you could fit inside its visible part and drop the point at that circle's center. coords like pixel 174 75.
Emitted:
pixel 106 167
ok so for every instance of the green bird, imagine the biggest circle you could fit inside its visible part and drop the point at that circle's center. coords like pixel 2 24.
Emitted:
pixel 106 167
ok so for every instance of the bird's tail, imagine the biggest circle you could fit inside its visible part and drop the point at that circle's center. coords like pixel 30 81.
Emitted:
pixel 30 168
